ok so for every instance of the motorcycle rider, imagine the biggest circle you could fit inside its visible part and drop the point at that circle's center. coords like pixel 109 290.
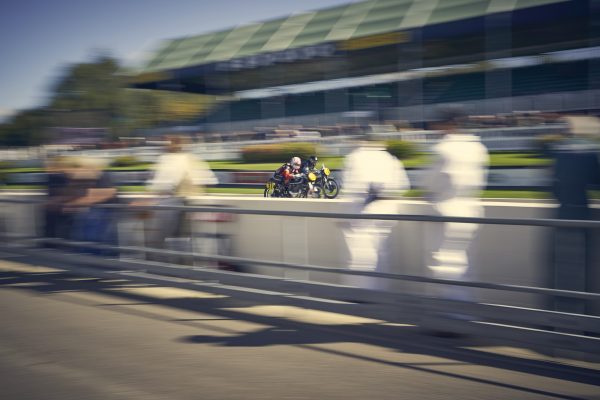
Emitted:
pixel 290 170
pixel 309 164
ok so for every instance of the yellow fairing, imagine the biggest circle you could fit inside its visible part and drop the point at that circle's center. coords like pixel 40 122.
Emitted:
pixel 311 176
pixel 326 171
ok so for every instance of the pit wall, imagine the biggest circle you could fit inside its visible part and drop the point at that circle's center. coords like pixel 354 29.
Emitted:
pixel 518 255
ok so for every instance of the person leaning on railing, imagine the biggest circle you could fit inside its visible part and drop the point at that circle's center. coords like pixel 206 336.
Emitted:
pixel 177 176
pixel 57 223
pixel 91 187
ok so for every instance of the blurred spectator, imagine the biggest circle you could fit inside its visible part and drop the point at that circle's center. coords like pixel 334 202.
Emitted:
pixel 177 176
pixel 576 168
pixel 453 185
pixel 58 224
pixel 373 179
pixel 92 187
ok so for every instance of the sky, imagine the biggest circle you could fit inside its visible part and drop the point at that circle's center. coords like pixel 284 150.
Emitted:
pixel 38 38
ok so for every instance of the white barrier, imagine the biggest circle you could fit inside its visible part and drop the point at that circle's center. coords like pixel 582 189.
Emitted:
pixel 499 254
pixel 503 254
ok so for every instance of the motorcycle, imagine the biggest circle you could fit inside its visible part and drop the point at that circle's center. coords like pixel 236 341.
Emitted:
pixel 275 188
pixel 325 183
pixel 314 184
pixel 301 187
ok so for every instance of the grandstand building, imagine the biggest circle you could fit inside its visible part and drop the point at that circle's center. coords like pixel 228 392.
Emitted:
pixel 390 60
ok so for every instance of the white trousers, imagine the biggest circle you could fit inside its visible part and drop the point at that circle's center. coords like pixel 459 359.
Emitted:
pixel 447 246
pixel 367 244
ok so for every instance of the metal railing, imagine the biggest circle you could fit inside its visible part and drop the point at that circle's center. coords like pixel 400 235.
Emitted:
pixel 537 327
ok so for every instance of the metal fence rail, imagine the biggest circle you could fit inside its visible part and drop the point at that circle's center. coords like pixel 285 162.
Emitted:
pixel 542 222
pixel 536 327
pixel 317 268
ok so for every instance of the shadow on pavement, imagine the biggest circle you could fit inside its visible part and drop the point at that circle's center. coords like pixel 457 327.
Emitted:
pixel 283 331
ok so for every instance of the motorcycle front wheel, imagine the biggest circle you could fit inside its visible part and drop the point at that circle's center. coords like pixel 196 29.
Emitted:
pixel 331 189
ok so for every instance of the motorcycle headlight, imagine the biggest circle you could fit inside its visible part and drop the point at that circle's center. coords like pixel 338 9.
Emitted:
pixel 326 171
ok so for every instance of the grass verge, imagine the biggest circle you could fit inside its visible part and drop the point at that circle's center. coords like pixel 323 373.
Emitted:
pixel 486 194
pixel 499 159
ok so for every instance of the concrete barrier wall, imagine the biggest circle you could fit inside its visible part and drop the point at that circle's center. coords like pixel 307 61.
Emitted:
pixel 499 254
pixel 519 255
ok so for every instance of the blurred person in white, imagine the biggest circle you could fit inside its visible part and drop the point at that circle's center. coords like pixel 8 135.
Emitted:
pixel 453 186
pixel 373 181
pixel 178 175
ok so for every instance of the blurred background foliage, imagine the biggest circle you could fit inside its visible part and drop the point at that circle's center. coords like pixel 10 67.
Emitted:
pixel 401 149
pixel 95 95
pixel 278 152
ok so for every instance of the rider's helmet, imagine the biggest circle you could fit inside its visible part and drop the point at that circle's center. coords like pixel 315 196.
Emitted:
pixel 312 161
pixel 295 162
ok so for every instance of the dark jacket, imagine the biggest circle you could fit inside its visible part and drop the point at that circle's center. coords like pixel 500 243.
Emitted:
pixel 576 170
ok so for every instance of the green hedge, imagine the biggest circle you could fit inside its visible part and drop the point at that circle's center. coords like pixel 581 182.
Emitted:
pixel 3 166
pixel 278 152
pixel 401 149
pixel 545 143
pixel 125 161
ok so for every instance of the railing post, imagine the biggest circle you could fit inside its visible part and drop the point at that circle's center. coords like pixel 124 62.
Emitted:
pixel 295 250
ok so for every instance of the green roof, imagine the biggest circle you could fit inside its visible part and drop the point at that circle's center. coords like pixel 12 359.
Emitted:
pixel 337 24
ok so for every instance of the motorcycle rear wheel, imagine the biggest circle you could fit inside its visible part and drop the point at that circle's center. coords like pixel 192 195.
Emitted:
pixel 270 189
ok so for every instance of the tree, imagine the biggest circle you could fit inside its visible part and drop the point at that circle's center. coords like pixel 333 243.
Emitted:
pixel 95 95
pixel 148 108
pixel 100 89
pixel 89 86
pixel 27 128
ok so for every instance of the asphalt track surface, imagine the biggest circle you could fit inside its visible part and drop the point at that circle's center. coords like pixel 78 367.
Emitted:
pixel 71 337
